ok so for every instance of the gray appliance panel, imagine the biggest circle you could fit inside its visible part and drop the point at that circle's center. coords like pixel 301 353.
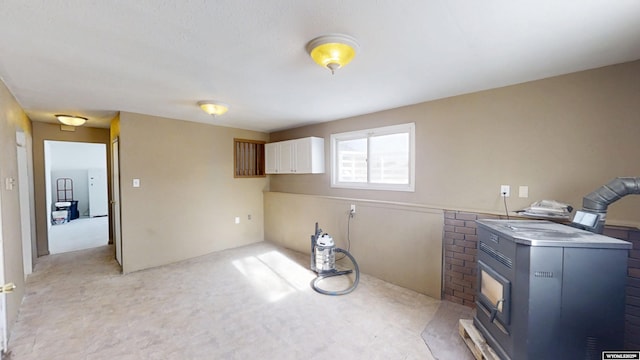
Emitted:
pixel 547 233
pixel 567 297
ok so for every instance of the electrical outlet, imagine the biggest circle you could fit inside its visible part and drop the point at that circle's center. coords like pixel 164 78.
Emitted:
pixel 237 219
pixel 353 209
pixel 505 190
pixel 249 217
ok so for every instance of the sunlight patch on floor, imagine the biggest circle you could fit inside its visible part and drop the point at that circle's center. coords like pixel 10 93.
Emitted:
pixel 295 274
pixel 274 275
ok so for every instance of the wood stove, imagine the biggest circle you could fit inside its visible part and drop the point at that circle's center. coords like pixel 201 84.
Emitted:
pixel 549 291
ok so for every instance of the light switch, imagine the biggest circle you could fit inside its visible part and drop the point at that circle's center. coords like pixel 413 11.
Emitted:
pixel 237 219
pixel 136 182
pixel 9 183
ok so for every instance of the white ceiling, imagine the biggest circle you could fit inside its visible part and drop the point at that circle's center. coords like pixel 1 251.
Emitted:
pixel 155 57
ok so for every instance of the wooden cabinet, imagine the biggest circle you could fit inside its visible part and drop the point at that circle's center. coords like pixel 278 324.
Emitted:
pixel 299 156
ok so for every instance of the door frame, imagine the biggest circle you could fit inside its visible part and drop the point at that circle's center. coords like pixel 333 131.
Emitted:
pixel 3 296
pixel 25 204
pixel 115 201
pixel 50 152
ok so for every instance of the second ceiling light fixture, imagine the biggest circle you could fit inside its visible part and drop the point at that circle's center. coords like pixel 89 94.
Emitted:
pixel 213 108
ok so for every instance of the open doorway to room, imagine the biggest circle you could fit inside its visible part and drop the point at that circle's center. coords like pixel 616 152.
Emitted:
pixel 76 193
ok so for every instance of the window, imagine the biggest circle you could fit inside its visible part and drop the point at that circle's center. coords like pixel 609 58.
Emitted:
pixel 379 159
pixel 248 158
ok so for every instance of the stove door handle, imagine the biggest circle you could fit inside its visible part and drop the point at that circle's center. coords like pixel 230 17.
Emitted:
pixel 494 310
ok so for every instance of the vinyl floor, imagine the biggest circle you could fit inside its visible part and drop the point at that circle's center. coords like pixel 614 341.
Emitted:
pixel 252 302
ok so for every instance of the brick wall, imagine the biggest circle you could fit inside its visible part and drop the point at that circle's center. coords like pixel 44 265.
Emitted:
pixel 460 255
pixel 632 311
pixel 460 267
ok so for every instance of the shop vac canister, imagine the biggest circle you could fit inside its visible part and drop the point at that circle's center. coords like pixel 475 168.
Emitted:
pixel 325 254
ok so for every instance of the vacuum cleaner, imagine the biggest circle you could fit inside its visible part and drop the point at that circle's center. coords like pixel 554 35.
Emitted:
pixel 323 262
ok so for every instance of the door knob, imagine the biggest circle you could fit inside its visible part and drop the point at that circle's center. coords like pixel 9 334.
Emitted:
pixel 7 288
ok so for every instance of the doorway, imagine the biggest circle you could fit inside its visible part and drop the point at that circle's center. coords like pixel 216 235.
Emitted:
pixel 76 193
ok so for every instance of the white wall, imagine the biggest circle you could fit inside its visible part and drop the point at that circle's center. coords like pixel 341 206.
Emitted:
pixel 77 155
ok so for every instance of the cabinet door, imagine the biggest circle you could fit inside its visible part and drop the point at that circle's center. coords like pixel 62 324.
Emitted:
pixel 303 156
pixel 286 157
pixel 271 158
pixel 299 156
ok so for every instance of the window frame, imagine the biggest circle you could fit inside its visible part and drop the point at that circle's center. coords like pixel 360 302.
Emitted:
pixel 408 128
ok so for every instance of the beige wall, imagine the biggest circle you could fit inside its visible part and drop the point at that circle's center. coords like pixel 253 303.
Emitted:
pixel 188 198
pixel 12 120
pixel 399 243
pixel 46 131
pixel 563 137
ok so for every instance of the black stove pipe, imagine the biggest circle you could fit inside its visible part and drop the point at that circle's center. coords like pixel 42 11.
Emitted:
pixel 599 200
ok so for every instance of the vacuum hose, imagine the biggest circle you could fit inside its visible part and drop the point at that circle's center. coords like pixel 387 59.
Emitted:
pixel 314 283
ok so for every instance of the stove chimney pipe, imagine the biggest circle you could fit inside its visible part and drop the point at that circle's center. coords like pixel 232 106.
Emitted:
pixel 599 200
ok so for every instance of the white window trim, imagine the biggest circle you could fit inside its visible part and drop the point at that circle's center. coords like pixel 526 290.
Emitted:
pixel 393 129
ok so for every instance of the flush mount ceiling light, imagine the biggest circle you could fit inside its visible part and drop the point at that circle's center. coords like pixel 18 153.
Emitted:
pixel 71 120
pixel 213 108
pixel 332 51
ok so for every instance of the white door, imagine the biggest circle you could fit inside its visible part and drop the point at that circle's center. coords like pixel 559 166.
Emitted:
pixel 98 198
pixel 3 297
pixel 115 202
pixel 25 208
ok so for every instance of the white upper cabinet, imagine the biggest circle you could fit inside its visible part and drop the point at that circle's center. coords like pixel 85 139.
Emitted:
pixel 299 156
pixel 286 157
pixel 271 154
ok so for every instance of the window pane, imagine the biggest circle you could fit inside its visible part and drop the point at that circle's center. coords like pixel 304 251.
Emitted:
pixel 377 159
pixel 390 159
pixel 352 160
